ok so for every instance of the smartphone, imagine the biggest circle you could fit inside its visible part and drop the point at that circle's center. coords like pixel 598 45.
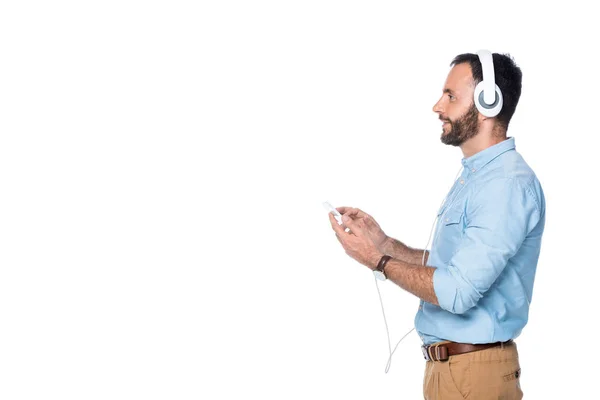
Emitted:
pixel 336 213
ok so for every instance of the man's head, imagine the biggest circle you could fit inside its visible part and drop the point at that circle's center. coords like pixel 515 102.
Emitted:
pixel 456 107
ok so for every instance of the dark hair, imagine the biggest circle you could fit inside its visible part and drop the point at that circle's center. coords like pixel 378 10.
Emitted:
pixel 508 77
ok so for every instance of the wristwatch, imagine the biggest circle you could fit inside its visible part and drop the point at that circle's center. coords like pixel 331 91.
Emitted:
pixel 379 270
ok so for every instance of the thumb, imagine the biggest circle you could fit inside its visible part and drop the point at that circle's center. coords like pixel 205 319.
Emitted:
pixel 350 223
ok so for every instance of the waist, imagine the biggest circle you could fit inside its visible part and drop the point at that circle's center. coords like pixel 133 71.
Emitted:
pixel 486 322
pixel 443 350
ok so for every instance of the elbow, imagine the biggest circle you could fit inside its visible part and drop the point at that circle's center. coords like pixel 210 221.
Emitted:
pixel 454 295
pixel 464 301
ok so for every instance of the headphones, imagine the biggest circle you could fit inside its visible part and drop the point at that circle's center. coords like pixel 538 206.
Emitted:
pixel 487 96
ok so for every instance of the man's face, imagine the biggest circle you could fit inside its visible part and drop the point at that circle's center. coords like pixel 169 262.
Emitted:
pixel 456 108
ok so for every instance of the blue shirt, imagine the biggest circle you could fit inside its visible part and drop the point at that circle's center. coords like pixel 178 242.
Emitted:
pixel 485 249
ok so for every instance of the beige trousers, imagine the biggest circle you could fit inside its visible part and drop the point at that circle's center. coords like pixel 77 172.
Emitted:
pixel 488 374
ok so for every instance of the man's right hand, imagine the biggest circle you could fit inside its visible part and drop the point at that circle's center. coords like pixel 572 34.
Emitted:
pixel 367 223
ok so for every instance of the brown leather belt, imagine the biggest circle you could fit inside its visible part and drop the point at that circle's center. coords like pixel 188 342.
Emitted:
pixel 443 351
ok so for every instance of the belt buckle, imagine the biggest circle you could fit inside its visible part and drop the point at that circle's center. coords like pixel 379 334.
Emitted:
pixel 425 353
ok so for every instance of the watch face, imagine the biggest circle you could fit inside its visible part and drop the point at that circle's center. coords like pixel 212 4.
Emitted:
pixel 379 275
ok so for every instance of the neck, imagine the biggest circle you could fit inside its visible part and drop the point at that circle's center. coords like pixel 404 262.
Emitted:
pixel 487 136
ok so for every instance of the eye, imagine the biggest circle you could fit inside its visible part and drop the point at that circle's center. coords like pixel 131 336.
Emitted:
pixel 451 97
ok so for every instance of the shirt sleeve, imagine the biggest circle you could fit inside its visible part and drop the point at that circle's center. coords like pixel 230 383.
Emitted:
pixel 499 217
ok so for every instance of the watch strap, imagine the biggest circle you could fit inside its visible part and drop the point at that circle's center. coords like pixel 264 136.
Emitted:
pixel 381 265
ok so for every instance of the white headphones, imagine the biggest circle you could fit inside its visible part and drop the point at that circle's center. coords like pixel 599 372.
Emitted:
pixel 487 96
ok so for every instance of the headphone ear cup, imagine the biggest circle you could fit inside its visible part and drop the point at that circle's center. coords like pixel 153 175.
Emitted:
pixel 485 109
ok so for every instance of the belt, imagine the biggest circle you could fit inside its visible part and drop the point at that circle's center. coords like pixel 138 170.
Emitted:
pixel 443 351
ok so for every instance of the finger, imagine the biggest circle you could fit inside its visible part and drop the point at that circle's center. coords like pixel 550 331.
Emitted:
pixel 336 219
pixel 344 227
pixel 369 221
pixel 343 210
pixel 354 226
pixel 339 229
pixel 362 214
pixel 355 213
pixel 334 224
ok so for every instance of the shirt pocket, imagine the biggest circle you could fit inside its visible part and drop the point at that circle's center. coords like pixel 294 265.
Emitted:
pixel 451 230
pixel 453 216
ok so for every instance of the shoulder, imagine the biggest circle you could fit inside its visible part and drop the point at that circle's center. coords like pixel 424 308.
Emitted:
pixel 516 169
pixel 509 177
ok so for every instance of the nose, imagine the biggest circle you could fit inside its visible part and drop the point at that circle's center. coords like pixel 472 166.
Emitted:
pixel 438 107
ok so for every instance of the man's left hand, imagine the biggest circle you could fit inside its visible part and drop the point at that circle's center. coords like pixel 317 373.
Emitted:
pixel 357 243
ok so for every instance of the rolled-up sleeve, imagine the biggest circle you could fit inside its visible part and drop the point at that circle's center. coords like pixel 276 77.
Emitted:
pixel 497 220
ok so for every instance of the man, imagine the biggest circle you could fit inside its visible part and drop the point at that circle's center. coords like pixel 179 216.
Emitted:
pixel 476 282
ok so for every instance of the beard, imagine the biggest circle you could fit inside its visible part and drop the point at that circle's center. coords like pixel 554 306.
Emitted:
pixel 461 129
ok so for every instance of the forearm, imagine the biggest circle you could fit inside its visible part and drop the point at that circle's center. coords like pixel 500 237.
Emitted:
pixel 402 252
pixel 413 278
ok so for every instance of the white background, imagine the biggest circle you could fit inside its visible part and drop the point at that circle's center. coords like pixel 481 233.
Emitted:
pixel 163 165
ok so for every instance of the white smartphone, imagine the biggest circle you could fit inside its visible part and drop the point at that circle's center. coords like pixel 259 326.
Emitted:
pixel 336 213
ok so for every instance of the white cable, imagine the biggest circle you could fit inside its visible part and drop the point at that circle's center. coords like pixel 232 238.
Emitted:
pixel 389 363
pixel 441 204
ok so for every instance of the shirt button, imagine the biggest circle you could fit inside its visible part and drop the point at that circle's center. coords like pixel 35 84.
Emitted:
pixel 473 170
pixel 462 181
pixel 447 219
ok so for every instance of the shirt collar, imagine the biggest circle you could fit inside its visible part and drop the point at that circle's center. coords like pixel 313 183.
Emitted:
pixel 480 159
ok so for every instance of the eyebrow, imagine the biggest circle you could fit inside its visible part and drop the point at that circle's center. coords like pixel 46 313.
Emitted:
pixel 446 90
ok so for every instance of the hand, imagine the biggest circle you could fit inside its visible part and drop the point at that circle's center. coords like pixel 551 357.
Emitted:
pixel 357 243
pixel 367 223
